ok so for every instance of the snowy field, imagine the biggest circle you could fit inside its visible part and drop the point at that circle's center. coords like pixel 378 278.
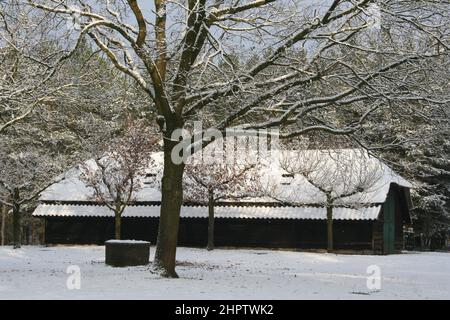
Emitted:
pixel 40 273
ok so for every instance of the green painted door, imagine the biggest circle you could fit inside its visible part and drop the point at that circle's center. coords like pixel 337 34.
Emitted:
pixel 389 224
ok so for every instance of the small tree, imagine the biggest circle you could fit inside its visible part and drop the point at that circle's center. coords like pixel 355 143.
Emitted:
pixel 215 179
pixel 23 176
pixel 116 174
pixel 342 177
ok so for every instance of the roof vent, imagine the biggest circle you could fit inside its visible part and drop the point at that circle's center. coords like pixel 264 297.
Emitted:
pixel 149 178
pixel 286 178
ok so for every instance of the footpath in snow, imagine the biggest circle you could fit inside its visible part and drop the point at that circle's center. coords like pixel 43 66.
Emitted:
pixel 42 273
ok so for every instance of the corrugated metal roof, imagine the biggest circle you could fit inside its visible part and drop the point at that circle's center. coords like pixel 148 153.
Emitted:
pixel 243 212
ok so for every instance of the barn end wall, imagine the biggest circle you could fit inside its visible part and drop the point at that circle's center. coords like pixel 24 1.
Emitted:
pixel 401 218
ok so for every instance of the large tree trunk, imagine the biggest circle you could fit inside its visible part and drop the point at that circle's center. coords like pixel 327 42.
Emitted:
pixel 330 228
pixel 210 245
pixel 17 225
pixel 117 226
pixel 172 198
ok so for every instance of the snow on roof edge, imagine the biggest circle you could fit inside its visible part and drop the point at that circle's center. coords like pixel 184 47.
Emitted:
pixel 239 212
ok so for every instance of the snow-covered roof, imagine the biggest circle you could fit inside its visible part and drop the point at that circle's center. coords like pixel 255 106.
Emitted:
pixel 73 189
pixel 243 212
pixel 298 191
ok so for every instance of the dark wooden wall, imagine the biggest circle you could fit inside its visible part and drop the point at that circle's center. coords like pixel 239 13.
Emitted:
pixel 377 235
pixel 270 233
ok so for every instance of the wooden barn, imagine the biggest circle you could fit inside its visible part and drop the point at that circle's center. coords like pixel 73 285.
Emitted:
pixel 375 225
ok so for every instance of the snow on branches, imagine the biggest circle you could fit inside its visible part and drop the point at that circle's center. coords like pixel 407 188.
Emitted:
pixel 117 173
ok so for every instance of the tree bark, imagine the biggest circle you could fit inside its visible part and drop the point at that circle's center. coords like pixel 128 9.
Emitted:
pixel 30 232
pixel 330 228
pixel 2 231
pixel 171 200
pixel 210 245
pixel 117 226
pixel 17 225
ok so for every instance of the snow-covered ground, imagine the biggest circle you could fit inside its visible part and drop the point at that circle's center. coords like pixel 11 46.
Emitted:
pixel 41 273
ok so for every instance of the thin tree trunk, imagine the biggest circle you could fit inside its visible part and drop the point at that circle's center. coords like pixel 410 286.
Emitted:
pixel 30 232
pixel 24 234
pixel 172 198
pixel 17 225
pixel 330 228
pixel 2 231
pixel 210 245
pixel 428 233
pixel 117 226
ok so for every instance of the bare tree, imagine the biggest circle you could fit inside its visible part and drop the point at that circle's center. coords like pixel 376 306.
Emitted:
pixel 301 66
pixel 215 179
pixel 116 175
pixel 32 63
pixel 23 176
pixel 42 146
pixel 37 77
pixel 343 176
